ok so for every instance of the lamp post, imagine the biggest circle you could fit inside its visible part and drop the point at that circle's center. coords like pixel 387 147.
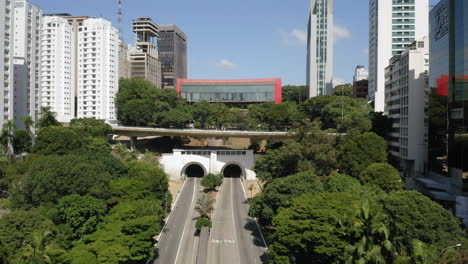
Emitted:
pixel 454 246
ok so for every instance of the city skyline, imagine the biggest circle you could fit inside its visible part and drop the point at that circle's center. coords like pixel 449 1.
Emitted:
pixel 272 31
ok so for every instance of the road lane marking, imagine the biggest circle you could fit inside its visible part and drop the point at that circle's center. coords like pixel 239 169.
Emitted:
pixel 234 221
pixel 170 214
pixel 186 221
pixel 255 219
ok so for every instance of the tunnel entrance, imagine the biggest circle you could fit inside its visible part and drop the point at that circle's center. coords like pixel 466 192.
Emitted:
pixel 232 171
pixel 195 171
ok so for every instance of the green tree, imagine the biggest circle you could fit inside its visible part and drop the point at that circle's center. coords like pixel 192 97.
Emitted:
pixel 18 229
pixel 22 142
pixel 7 138
pixel 356 154
pixel 58 140
pixel 373 245
pixel 275 164
pixel 82 213
pixel 315 227
pixel 205 205
pixel 382 175
pixel 92 126
pixel 211 181
pixel 47 118
pixel 202 222
pixel 219 112
pixel 52 177
pixel 296 94
pixel 415 216
pixel 202 113
pixel 177 117
pixel 381 124
pixel 314 106
pixel 280 193
pixel 39 250
pixel 341 183
pixel 344 90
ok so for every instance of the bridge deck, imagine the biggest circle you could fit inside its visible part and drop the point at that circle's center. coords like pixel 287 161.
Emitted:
pixel 147 131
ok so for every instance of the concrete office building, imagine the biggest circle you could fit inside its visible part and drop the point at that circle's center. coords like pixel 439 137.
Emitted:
pixel 172 44
pixel 406 102
pixel 6 61
pixel 58 67
pixel 447 177
pixel 144 58
pixel 360 73
pixel 98 69
pixel 320 48
pixel 393 25
pixel 27 26
pixel 124 63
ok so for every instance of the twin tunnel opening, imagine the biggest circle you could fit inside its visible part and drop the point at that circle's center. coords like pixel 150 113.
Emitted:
pixel 197 171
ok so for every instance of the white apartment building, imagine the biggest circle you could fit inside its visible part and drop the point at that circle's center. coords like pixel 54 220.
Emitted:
pixel 360 73
pixel 6 61
pixel 393 25
pixel 406 103
pixel 98 69
pixel 320 48
pixel 27 26
pixel 58 67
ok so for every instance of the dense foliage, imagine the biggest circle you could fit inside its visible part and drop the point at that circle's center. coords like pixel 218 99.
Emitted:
pixel 72 201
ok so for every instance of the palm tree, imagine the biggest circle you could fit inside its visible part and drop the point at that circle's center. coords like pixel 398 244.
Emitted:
pixel 37 250
pixel 7 137
pixel 48 118
pixel 205 205
pixel 374 244
pixel 29 124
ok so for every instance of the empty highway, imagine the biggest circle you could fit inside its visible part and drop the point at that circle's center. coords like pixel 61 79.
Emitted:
pixel 178 243
pixel 235 238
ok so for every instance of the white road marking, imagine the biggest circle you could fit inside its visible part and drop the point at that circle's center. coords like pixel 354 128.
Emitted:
pixel 234 222
pixel 170 214
pixel 255 219
pixel 186 221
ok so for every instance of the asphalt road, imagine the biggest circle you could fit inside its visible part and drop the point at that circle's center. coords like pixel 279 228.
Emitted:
pixel 177 244
pixel 235 238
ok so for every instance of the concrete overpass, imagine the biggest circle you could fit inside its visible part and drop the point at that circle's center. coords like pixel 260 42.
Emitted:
pixel 148 131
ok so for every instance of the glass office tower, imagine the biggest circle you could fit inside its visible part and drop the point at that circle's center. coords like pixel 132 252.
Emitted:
pixel 448 105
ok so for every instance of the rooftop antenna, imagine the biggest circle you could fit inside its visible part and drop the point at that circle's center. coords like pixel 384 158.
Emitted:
pixel 120 13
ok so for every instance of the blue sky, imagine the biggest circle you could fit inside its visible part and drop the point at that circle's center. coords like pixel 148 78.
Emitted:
pixel 229 39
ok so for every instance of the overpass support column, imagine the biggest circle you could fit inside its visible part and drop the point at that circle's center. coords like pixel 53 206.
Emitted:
pixel 213 161
pixel 133 142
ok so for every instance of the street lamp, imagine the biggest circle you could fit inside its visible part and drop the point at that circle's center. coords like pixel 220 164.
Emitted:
pixel 454 246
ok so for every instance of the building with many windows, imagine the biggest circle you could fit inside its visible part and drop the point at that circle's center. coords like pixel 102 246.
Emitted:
pixel 98 69
pixel 6 61
pixel 27 58
pixel 172 44
pixel 360 82
pixel 231 91
pixel 447 177
pixel 320 48
pixel 58 67
pixel 406 99
pixel 144 58
pixel 393 25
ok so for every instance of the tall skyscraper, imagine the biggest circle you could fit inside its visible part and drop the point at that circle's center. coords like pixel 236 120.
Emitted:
pixel 98 69
pixel 320 48
pixel 393 25
pixel 172 44
pixel 58 67
pixel 144 58
pixel 6 61
pixel 27 59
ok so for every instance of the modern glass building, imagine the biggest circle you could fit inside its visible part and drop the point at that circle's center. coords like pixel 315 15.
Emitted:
pixel 231 91
pixel 447 179
pixel 320 48
pixel 172 44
